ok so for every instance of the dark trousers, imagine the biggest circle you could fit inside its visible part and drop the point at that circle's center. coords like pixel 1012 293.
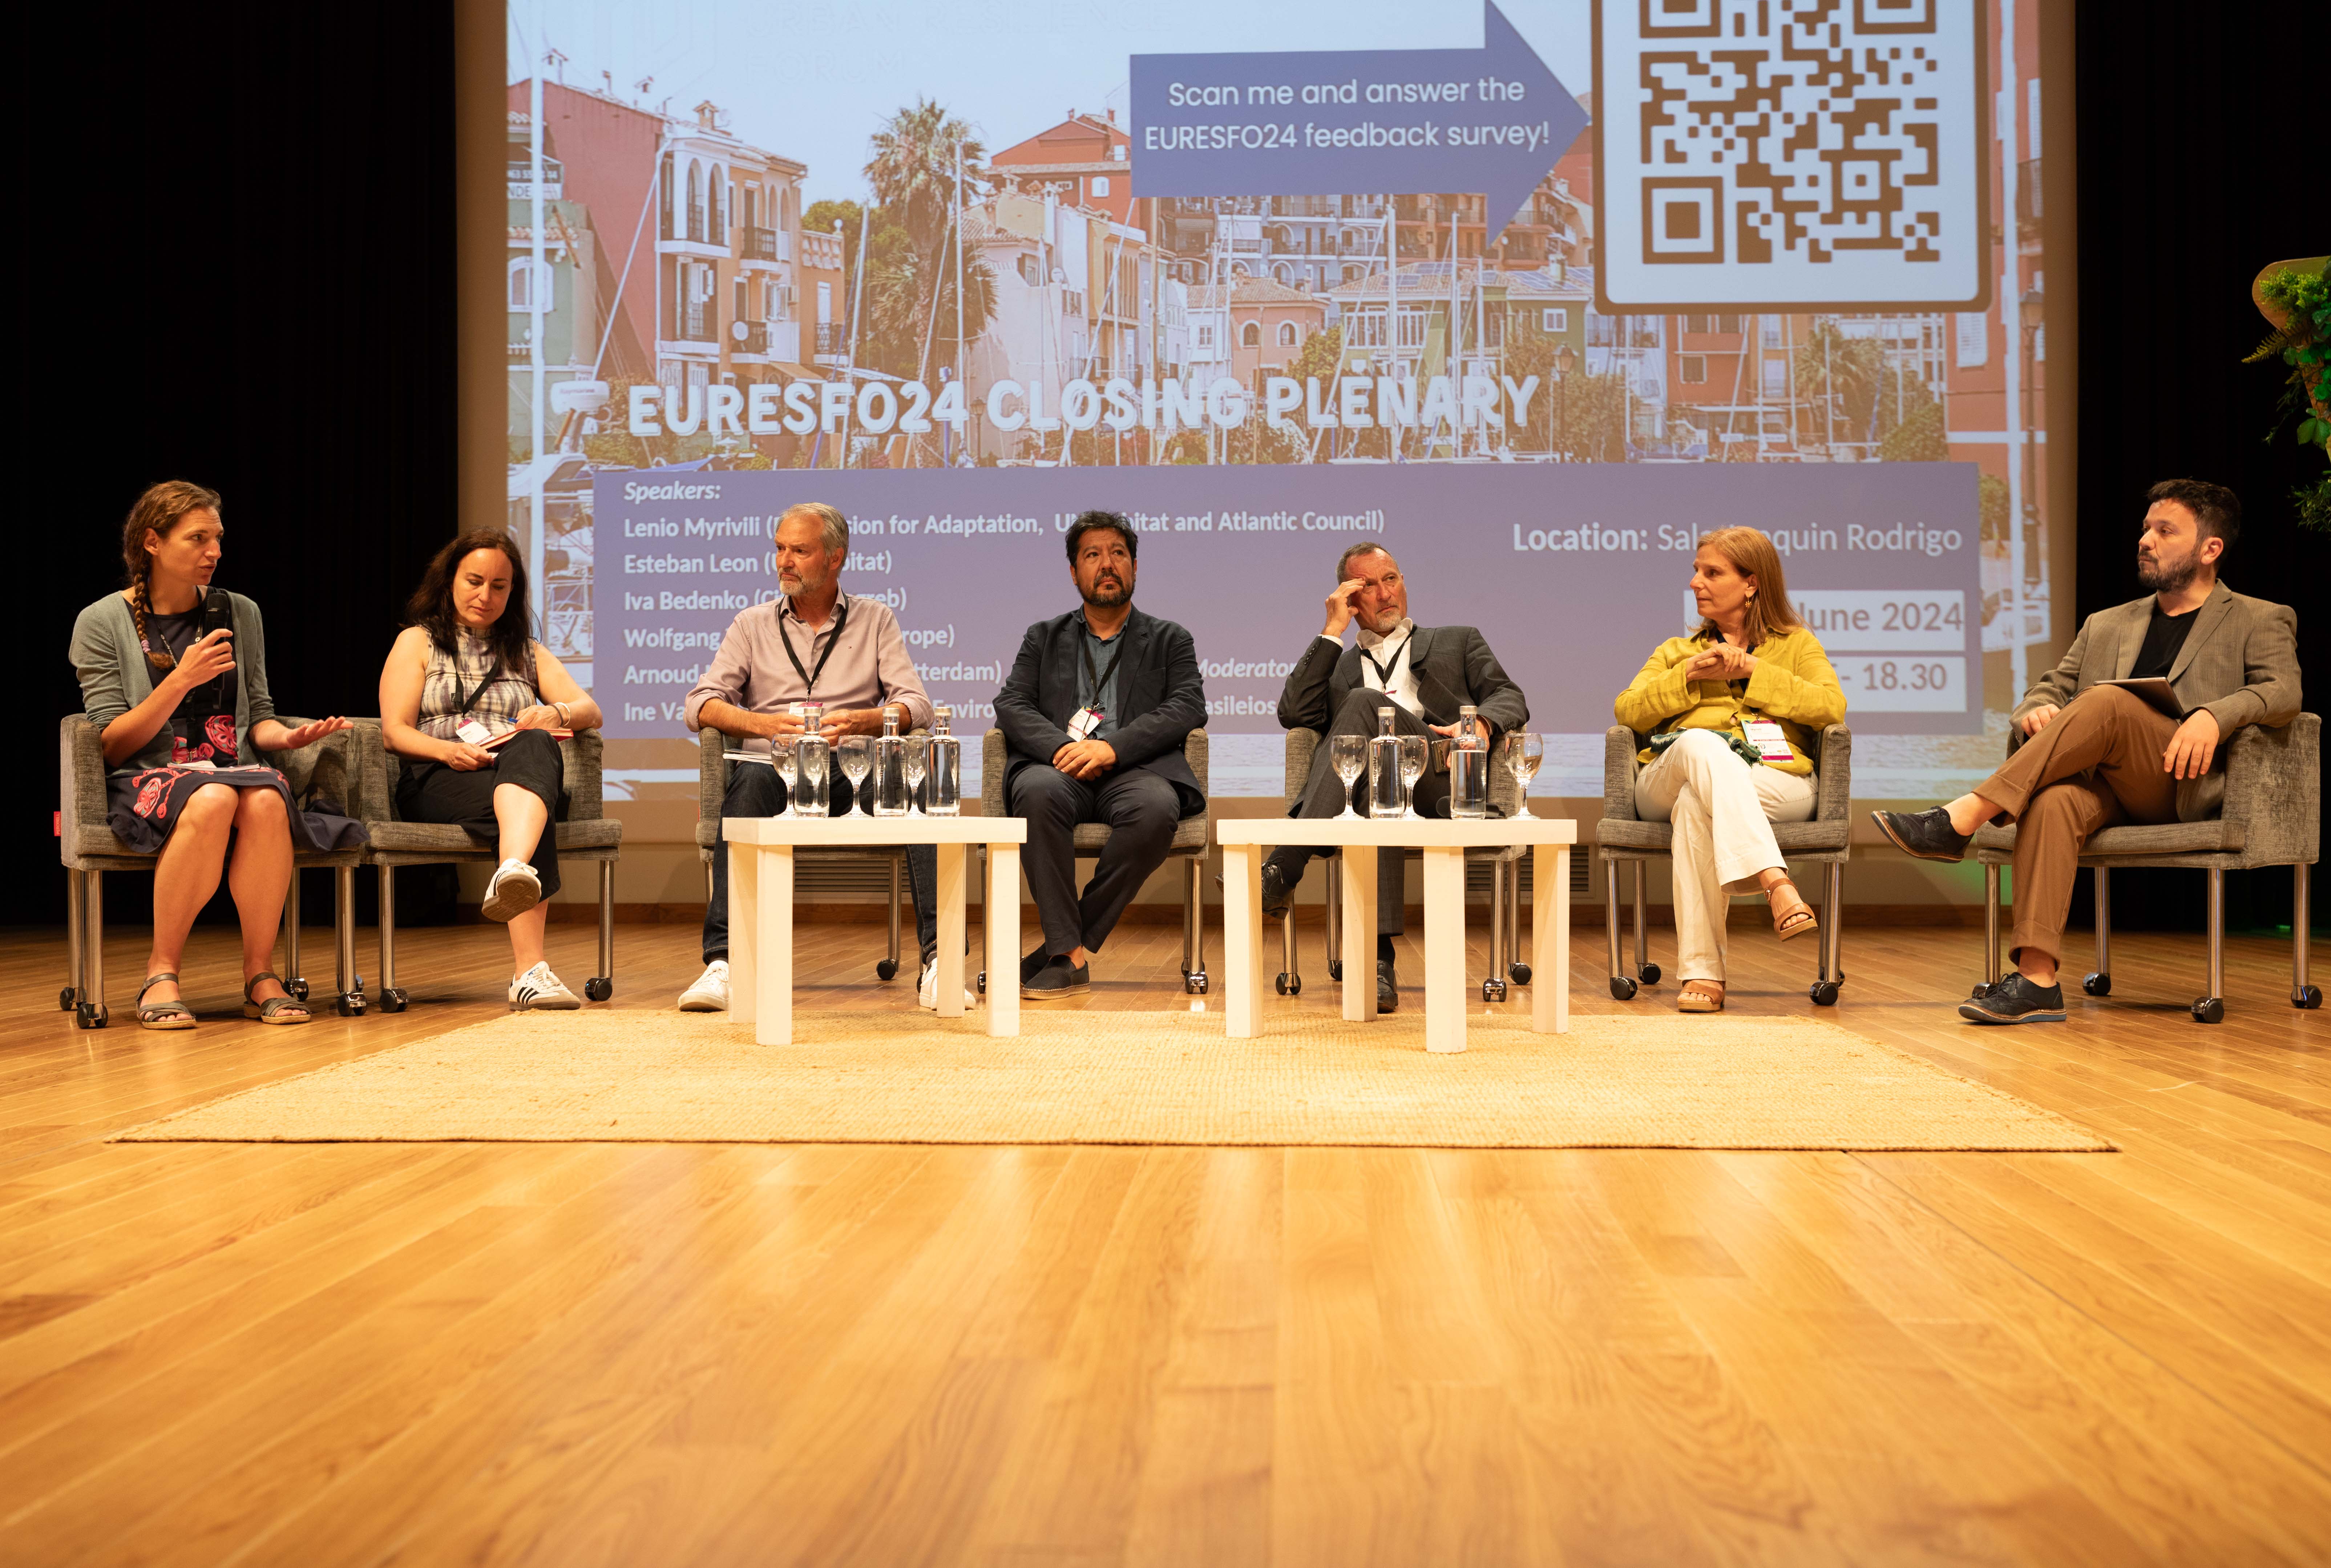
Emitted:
pixel 2097 764
pixel 1323 796
pixel 429 792
pixel 1140 809
pixel 755 790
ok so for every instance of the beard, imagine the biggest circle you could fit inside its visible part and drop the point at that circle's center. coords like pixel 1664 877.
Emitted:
pixel 1107 594
pixel 2157 577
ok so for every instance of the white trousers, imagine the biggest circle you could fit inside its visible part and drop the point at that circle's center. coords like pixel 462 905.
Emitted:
pixel 1723 808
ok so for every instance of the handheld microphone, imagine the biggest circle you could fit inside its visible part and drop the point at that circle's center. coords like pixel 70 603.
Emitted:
pixel 218 614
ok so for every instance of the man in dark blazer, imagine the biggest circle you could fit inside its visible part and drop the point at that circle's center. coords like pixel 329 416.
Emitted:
pixel 2085 755
pixel 1096 711
pixel 1425 674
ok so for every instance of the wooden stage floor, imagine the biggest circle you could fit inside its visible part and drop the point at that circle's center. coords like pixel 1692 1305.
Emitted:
pixel 632 1355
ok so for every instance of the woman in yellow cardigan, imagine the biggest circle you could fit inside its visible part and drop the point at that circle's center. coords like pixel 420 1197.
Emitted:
pixel 1728 711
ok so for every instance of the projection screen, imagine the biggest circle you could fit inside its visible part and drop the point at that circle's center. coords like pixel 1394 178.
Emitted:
pixel 1535 294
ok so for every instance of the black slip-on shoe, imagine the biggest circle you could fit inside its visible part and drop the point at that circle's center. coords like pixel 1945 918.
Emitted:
pixel 1056 980
pixel 1926 834
pixel 1387 987
pixel 1034 964
pixel 2015 1000
pixel 1278 893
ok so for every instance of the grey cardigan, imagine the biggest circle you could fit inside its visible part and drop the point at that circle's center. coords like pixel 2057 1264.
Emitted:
pixel 115 677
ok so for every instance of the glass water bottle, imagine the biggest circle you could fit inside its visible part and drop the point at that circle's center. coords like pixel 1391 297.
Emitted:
pixel 812 774
pixel 942 783
pixel 888 779
pixel 1388 792
pixel 1469 768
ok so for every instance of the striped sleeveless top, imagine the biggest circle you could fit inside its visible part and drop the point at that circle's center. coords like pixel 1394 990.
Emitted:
pixel 494 698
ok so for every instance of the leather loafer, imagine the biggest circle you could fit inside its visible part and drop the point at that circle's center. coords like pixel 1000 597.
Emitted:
pixel 1927 835
pixel 1387 987
pixel 1276 893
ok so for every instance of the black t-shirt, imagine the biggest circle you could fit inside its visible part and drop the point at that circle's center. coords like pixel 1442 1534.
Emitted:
pixel 2164 639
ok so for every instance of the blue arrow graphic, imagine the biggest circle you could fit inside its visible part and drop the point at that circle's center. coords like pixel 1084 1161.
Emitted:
pixel 1400 121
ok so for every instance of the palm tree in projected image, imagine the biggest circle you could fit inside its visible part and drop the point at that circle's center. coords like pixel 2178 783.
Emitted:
pixel 910 308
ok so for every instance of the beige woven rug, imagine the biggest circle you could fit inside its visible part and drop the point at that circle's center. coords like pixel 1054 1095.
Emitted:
pixel 1137 1078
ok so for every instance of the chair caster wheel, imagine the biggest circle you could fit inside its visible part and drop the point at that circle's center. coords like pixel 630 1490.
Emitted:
pixel 1648 975
pixel 391 1001
pixel 2309 997
pixel 66 1000
pixel 1493 991
pixel 91 1015
pixel 1335 969
pixel 982 982
pixel 1519 974
pixel 352 1004
pixel 298 988
pixel 2209 1010
pixel 1622 988
pixel 600 987
pixel 1289 984
pixel 888 969
pixel 1824 992
pixel 1195 983
pixel 2096 984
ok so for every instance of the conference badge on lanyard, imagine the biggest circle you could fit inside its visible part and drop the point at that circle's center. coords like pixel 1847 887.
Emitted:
pixel 1768 738
pixel 1084 721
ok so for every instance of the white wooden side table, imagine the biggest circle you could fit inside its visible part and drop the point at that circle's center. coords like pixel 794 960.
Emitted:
pixel 761 907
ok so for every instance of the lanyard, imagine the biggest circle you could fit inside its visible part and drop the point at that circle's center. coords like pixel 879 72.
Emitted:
pixel 1108 671
pixel 1384 671
pixel 463 696
pixel 809 677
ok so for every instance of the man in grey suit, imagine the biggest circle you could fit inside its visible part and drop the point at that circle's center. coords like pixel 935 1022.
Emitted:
pixel 1424 674
pixel 2088 755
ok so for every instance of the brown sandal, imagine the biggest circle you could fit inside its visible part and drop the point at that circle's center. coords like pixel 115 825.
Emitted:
pixel 1795 920
pixel 1701 996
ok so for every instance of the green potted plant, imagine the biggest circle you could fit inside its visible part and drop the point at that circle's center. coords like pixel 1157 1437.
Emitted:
pixel 2295 297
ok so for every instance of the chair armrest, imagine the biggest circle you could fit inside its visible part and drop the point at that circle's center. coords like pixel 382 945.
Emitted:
pixel 991 773
pixel 1302 745
pixel 327 766
pixel 375 789
pixel 1199 753
pixel 1835 803
pixel 2274 788
pixel 1618 749
pixel 583 755
pixel 81 777
pixel 711 774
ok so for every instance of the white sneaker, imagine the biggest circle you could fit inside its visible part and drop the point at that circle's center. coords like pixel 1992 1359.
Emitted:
pixel 711 992
pixel 539 987
pixel 927 990
pixel 514 890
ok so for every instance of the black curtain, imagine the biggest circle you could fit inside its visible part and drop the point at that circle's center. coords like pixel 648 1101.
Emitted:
pixel 244 277
pixel 2200 151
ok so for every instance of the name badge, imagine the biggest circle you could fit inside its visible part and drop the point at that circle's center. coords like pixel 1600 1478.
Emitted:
pixel 472 731
pixel 1084 722
pixel 1768 739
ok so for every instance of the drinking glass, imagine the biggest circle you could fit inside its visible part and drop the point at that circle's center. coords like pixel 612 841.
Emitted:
pixel 857 754
pixel 1413 750
pixel 783 754
pixel 1524 751
pixel 1349 756
pixel 914 761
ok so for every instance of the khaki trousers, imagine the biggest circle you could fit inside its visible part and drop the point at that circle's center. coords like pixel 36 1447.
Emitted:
pixel 2097 764
pixel 1723 808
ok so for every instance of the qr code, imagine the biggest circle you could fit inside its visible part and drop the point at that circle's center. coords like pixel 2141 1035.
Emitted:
pixel 1811 154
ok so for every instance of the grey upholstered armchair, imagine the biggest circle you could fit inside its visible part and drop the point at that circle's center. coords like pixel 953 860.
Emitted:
pixel 1192 837
pixel 587 833
pixel 2272 817
pixel 88 850
pixel 1505 964
pixel 1825 839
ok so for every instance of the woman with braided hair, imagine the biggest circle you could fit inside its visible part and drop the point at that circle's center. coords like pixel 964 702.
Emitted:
pixel 184 713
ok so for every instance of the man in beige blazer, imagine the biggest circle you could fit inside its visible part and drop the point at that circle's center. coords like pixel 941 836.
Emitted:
pixel 2087 755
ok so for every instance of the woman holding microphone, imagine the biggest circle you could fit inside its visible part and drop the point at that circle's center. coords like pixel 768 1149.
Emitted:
pixel 1729 712
pixel 174 673
pixel 469 700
